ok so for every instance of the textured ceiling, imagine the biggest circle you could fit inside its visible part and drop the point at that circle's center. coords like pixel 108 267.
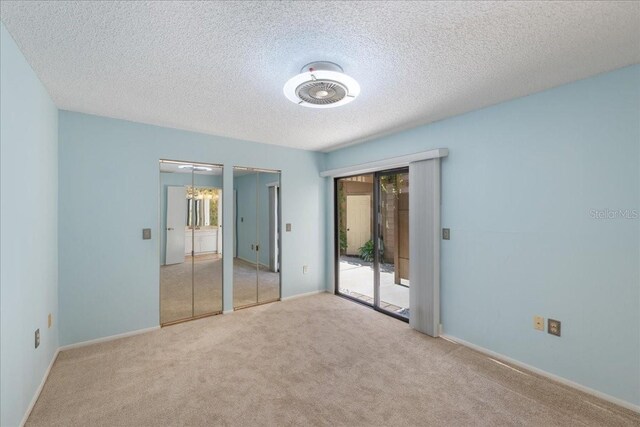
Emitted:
pixel 219 67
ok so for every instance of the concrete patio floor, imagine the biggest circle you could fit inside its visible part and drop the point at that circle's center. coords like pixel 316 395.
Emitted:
pixel 356 279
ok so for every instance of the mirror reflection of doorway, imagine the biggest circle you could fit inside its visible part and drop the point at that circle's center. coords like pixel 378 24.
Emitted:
pixel 256 264
pixel 191 241
pixel 373 250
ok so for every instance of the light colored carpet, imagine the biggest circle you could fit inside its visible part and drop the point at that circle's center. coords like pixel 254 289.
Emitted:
pixel 249 287
pixel 319 360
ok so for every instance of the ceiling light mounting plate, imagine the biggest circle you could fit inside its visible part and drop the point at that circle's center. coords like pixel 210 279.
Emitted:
pixel 321 84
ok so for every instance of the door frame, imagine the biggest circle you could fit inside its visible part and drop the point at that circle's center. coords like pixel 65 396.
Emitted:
pixel 376 217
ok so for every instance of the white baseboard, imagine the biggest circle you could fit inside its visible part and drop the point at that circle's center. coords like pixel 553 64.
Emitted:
pixel 36 395
pixel 554 377
pixel 109 338
pixel 320 291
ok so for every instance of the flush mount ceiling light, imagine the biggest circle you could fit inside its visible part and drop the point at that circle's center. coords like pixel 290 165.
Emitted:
pixel 321 85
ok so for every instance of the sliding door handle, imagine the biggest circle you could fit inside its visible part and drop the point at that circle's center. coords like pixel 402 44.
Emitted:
pixel 170 229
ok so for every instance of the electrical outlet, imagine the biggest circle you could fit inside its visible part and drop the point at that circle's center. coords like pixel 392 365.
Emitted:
pixel 49 320
pixel 538 323
pixel 37 337
pixel 553 327
pixel 305 269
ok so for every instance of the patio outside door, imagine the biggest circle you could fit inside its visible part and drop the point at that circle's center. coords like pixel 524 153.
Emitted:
pixel 358 222
pixel 372 251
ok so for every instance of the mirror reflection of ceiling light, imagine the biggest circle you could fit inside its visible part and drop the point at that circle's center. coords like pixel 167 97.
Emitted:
pixel 195 168
pixel 321 84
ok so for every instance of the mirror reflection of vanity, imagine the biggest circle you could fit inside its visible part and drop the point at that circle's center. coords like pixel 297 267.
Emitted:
pixel 203 220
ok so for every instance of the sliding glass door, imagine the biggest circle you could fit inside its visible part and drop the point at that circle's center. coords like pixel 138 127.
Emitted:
pixel 372 235
pixel 354 213
pixel 393 238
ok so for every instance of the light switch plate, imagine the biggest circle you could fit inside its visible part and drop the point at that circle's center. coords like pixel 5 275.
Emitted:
pixel 446 234
pixel 288 227
pixel 37 337
pixel 146 233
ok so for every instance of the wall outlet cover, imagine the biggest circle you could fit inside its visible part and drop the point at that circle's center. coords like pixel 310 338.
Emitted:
pixel 538 323
pixel 288 226
pixel 37 338
pixel 446 234
pixel 146 233
pixel 553 327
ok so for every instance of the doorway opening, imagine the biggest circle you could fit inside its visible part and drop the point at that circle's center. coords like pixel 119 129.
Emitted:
pixel 372 240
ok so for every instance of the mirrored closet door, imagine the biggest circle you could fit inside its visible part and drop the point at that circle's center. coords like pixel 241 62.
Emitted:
pixel 256 263
pixel 191 240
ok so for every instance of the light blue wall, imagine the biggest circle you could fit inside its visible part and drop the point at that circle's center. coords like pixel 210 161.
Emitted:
pixel 517 190
pixel 245 188
pixel 109 192
pixel 29 219
pixel 168 179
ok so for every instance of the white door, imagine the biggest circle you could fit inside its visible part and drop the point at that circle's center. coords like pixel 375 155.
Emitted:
pixel 176 221
pixel 358 222
pixel 219 233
